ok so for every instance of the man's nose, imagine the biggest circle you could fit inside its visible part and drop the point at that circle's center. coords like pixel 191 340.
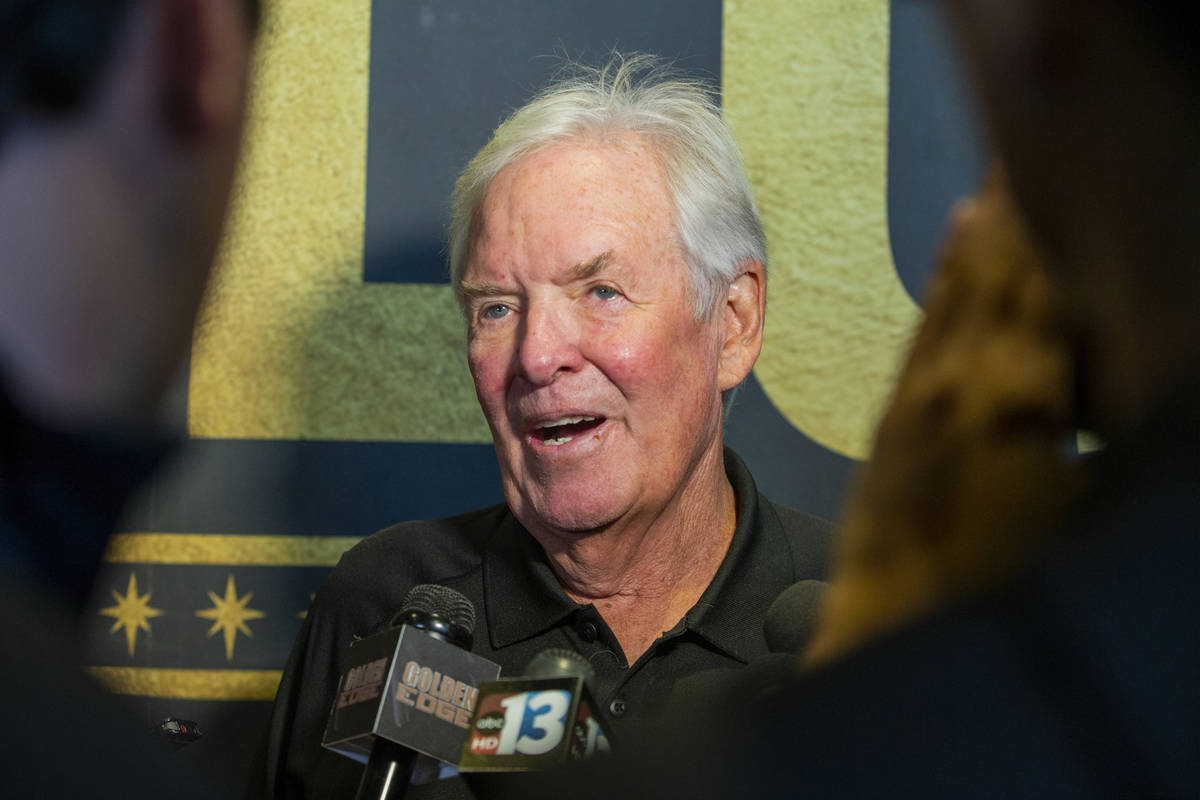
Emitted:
pixel 549 345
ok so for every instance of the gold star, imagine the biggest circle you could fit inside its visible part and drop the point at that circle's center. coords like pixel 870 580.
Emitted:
pixel 229 615
pixel 131 613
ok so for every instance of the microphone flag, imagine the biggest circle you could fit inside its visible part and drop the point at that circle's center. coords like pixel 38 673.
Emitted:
pixel 409 688
pixel 527 724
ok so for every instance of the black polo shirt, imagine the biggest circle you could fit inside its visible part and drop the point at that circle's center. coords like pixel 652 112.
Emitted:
pixel 522 610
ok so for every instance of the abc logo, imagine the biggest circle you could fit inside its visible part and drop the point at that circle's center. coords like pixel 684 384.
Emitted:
pixel 492 721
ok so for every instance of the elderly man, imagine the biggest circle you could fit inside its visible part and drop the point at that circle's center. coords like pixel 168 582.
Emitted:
pixel 983 640
pixel 120 124
pixel 610 263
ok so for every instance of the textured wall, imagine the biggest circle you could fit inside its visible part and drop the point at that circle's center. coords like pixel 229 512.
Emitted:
pixel 805 85
pixel 295 345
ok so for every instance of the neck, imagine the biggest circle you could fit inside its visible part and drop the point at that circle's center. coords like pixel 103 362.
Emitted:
pixel 643 575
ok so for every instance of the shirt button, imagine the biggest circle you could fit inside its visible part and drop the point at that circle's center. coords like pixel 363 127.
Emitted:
pixel 617 708
pixel 588 632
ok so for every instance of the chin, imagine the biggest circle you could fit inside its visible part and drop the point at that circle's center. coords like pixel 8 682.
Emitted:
pixel 569 500
pixel 576 520
pixel 564 518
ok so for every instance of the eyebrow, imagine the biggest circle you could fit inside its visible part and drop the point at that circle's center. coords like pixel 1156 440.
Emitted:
pixel 586 269
pixel 473 291
pixel 581 271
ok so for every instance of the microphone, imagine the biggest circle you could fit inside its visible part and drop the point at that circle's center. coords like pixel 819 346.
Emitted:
pixel 538 721
pixel 792 618
pixel 407 690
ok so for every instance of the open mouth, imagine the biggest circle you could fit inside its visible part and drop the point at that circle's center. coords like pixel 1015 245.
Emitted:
pixel 563 430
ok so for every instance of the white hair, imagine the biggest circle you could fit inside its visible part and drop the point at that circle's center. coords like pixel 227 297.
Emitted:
pixel 715 216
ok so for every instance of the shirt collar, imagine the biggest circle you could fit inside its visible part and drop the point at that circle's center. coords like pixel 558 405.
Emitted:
pixel 524 599
pixel 729 615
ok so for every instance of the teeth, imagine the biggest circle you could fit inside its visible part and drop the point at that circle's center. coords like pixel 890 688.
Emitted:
pixel 560 440
pixel 565 421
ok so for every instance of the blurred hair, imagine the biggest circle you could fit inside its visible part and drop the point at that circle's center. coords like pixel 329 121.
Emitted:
pixel 635 95
pixel 54 50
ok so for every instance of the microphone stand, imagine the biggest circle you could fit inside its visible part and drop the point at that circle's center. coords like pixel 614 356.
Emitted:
pixel 443 614
pixel 388 771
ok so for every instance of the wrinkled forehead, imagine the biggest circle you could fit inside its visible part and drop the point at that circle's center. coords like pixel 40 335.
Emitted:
pixel 577 195
pixel 626 170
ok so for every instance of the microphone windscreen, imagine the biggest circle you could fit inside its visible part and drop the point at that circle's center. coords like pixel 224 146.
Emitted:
pixel 561 662
pixel 792 619
pixel 440 601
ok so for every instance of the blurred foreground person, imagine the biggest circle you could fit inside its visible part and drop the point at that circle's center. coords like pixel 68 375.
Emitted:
pixel 120 122
pixel 1001 625
pixel 968 475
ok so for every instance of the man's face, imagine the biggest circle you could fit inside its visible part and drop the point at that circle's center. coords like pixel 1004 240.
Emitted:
pixel 600 386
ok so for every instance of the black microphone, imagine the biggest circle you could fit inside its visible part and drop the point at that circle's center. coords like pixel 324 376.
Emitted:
pixel 410 689
pixel 545 718
pixel 792 618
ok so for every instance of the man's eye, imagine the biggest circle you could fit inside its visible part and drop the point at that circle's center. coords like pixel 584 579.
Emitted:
pixel 604 292
pixel 495 311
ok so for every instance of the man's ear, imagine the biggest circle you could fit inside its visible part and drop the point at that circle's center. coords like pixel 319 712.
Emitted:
pixel 744 313
pixel 205 47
